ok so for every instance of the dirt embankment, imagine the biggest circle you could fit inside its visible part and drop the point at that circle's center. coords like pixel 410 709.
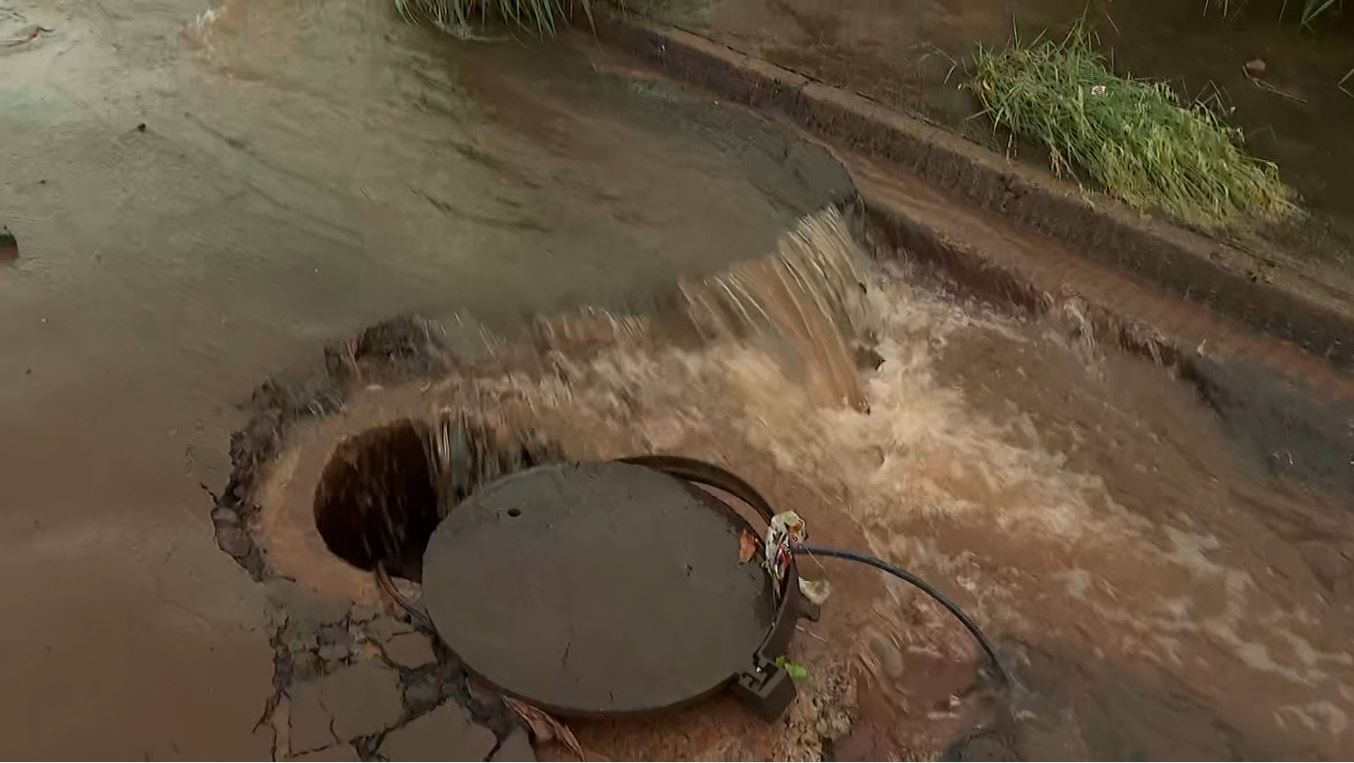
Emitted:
pixel 1312 307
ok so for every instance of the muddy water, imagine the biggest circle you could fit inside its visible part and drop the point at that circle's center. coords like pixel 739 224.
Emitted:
pixel 1156 592
pixel 911 54
pixel 1150 583
pixel 309 168
pixel 203 198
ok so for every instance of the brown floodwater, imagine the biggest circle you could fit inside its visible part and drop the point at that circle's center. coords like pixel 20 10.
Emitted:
pixel 204 197
pixel 1157 592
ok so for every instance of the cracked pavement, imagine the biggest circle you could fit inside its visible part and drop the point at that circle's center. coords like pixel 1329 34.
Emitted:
pixel 366 685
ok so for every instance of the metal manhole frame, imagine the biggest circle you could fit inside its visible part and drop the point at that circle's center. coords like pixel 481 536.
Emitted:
pixel 764 685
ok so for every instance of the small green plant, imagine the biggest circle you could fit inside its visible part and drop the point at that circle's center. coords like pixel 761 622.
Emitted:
pixel 794 670
pixel 456 16
pixel 1132 136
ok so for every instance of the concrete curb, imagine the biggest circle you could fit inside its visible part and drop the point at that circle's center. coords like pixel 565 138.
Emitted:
pixel 1191 266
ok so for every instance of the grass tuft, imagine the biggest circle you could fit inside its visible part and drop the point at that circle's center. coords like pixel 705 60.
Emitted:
pixel 1133 137
pixel 541 17
pixel 1308 12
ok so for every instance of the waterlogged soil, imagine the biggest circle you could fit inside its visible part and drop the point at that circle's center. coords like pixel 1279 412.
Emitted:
pixel 912 54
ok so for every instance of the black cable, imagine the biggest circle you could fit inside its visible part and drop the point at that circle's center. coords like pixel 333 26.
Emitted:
pixel 925 587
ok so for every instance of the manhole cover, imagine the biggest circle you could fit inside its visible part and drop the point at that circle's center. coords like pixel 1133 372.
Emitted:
pixel 602 589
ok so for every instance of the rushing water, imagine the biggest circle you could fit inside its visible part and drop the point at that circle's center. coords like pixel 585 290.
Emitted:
pixel 308 168
pixel 1158 594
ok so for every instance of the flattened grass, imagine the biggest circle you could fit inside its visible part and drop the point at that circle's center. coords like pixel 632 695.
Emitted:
pixel 1133 137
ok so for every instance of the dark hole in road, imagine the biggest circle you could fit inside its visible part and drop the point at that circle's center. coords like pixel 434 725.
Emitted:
pixel 377 498
pixel 385 490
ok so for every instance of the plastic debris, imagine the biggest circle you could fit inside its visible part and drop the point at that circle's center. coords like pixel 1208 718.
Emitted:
pixel 794 670
pixel 816 591
pixel 786 531
pixel 25 35
pixel 747 546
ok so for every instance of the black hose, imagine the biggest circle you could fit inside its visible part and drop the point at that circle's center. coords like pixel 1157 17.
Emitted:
pixel 925 587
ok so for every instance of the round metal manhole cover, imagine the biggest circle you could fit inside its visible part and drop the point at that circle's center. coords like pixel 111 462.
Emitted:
pixel 596 589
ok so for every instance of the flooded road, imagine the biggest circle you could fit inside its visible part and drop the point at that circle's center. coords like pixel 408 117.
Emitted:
pixel 1156 591
pixel 307 169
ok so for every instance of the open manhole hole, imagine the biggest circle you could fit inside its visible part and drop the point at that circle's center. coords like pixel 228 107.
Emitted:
pixel 383 491
pixel 377 499
pixel 586 589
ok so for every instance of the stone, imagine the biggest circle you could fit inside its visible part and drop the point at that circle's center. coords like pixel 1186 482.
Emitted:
pixel 410 650
pixel 222 516
pixel 445 733
pixel 516 746
pixel 299 640
pixel 365 613
pixel 354 701
pixel 234 540
pixel 309 720
pixel 384 627
pixel 332 652
pixel 333 633
pixel 422 691
pixel 339 752
pixel 305 606
pixel 305 665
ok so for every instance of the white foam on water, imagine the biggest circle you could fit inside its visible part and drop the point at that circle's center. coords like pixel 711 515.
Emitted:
pixel 970 498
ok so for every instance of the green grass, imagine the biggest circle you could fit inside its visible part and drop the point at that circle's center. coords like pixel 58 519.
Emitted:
pixel 1309 12
pixel 1315 9
pixel 541 17
pixel 1133 137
